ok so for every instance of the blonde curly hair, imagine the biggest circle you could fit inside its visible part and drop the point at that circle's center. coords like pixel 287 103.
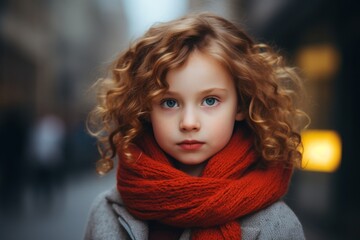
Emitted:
pixel 267 89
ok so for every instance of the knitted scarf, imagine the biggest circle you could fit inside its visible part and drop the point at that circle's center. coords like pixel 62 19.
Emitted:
pixel 229 188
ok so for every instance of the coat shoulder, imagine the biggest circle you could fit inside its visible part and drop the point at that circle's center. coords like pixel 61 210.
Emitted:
pixel 277 221
pixel 103 222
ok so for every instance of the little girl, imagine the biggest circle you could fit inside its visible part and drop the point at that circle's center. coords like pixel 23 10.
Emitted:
pixel 205 127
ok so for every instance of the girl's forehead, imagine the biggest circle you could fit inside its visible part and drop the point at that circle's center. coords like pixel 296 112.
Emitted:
pixel 200 63
pixel 200 71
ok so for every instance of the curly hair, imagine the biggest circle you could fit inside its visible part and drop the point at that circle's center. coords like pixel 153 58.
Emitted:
pixel 268 90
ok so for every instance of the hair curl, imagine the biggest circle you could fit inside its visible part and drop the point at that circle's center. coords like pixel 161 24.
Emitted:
pixel 267 89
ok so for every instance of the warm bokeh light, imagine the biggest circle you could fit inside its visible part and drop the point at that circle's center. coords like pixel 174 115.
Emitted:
pixel 319 62
pixel 322 150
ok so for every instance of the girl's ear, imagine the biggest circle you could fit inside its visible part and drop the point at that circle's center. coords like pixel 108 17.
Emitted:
pixel 240 116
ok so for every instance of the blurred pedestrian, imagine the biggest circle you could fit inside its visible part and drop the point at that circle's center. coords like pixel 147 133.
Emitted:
pixel 46 154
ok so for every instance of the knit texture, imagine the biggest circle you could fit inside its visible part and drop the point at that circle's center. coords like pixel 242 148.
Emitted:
pixel 229 188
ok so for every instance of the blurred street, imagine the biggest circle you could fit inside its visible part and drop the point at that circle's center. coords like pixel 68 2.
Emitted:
pixel 65 215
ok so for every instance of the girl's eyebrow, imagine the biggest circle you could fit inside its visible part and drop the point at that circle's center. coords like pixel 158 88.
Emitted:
pixel 204 92
pixel 211 90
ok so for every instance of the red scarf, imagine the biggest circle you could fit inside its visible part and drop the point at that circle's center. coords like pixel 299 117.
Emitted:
pixel 229 188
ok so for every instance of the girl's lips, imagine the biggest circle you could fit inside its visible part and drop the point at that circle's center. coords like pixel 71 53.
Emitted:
pixel 190 145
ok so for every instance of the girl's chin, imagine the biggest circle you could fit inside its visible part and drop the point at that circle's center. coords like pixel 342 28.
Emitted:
pixel 193 168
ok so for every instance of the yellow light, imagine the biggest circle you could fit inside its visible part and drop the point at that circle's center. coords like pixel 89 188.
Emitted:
pixel 322 150
pixel 319 62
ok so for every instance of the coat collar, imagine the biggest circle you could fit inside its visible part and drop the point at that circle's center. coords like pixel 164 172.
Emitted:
pixel 138 230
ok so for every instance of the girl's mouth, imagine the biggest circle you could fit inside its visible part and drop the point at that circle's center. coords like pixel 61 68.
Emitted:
pixel 190 145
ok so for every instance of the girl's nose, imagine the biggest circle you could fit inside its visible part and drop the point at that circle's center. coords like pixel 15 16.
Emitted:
pixel 189 121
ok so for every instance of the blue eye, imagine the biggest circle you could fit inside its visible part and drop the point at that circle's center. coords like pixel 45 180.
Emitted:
pixel 169 103
pixel 210 101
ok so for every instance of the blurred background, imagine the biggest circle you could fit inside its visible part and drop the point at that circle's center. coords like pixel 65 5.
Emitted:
pixel 53 51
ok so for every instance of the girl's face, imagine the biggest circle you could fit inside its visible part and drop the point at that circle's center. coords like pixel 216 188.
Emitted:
pixel 195 118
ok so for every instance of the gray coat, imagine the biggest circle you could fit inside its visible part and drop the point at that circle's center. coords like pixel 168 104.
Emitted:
pixel 109 220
